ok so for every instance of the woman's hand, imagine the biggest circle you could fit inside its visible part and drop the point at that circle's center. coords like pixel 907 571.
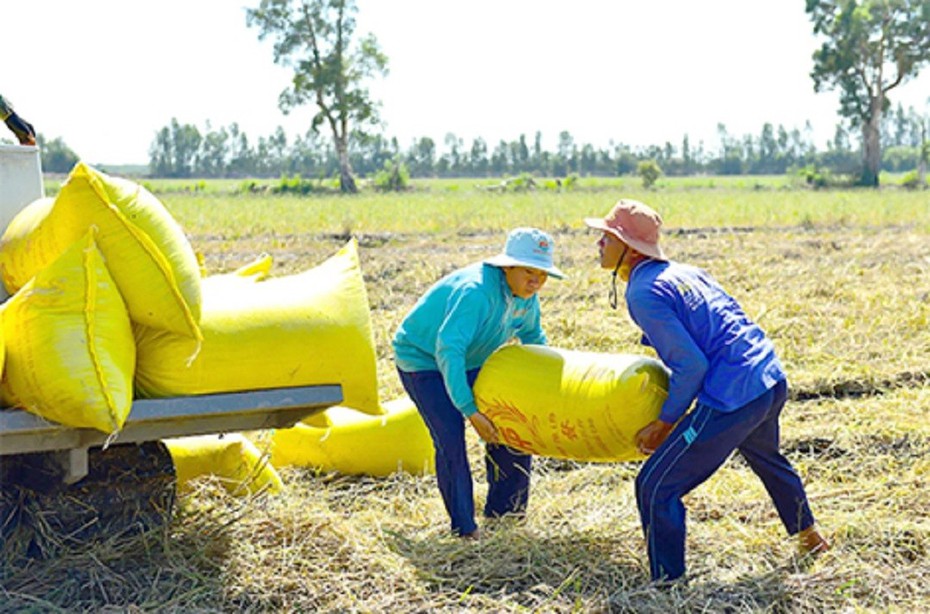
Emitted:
pixel 486 429
pixel 652 435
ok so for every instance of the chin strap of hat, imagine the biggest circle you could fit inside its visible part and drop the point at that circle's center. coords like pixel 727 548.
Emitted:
pixel 613 278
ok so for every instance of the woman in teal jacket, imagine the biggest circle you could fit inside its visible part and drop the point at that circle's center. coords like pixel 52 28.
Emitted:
pixel 439 349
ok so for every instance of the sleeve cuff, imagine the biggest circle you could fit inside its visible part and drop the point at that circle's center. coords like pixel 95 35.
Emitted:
pixel 665 416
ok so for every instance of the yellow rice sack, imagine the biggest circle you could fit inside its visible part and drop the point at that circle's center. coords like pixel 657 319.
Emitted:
pixel 232 458
pixel 69 345
pixel 309 328
pixel 352 443
pixel 582 406
pixel 257 270
pixel 2 345
pixel 260 268
pixel 146 251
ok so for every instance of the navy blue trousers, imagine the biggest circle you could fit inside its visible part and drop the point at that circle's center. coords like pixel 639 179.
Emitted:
pixel 694 450
pixel 508 471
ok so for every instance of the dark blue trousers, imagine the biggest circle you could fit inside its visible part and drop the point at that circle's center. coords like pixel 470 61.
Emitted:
pixel 508 470
pixel 694 450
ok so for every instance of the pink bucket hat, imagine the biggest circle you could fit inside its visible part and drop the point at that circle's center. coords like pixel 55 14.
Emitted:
pixel 635 224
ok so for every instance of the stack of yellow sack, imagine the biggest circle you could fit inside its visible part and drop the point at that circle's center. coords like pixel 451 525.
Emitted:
pixel 108 302
pixel 80 267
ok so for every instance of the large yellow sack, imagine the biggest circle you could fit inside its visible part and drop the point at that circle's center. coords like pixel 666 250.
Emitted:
pixel 255 271
pixel 350 442
pixel 574 405
pixel 2 345
pixel 298 330
pixel 69 345
pixel 146 251
pixel 232 458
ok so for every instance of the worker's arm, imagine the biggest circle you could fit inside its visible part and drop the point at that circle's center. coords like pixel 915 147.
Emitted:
pixel 23 130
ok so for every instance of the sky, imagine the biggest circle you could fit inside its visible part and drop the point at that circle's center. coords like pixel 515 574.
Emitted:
pixel 106 75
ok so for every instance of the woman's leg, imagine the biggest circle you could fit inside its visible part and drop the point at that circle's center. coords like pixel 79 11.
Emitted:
pixel 508 481
pixel 446 425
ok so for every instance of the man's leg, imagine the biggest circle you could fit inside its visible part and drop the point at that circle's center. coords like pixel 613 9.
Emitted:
pixel 761 449
pixel 694 450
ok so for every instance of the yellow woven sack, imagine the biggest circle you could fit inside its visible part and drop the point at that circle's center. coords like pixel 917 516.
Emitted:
pixel 232 458
pixel 355 444
pixel 257 270
pixel 146 251
pixel 260 268
pixel 69 344
pixel 21 255
pixel 574 405
pixel 2 345
pixel 309 328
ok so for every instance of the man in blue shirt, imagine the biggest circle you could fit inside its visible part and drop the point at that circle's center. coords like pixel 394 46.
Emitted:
pixel 439 349
pixel 717 357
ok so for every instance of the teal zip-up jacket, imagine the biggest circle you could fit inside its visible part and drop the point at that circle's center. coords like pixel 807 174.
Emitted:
pixel 459 323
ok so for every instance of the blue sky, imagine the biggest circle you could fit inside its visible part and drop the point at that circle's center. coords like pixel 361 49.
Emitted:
pixel 105 75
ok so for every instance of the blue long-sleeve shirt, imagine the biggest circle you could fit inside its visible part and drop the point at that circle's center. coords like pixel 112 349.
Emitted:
pixel 715 353
pixel 459 322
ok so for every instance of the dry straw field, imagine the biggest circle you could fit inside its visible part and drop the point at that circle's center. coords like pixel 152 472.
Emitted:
pixel 840 280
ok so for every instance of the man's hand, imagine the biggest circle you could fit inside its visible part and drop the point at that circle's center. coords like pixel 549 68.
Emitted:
pixel 22 129
pixel 652 435
pixel 486 429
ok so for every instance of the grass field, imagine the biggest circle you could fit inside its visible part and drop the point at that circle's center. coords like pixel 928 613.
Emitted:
pixel 839 279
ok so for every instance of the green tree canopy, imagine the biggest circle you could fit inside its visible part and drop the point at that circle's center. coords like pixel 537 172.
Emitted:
pixel 871 47
pixel 315 39
pixel 57 157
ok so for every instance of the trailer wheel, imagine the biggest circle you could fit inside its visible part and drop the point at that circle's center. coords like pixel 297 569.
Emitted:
pixel 129 489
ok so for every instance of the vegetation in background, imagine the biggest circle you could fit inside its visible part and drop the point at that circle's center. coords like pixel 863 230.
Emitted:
pixel 293 185
pixel 871 47
pixel 394 177
pixel 649 171
pixel 56 156
pixel 315 39
pixel 228 152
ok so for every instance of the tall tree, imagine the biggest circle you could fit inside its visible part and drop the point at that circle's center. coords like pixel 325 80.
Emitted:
pixel 315 39
pixel 175 149
pixel 871 47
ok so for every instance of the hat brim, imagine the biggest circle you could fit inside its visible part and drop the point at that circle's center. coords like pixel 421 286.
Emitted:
pixel 502 260
pixel 648 249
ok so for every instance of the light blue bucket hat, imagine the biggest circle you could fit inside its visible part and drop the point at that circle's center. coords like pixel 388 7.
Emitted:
pixel 529 247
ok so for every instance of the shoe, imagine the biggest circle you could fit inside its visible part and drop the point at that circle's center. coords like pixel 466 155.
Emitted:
pixel 811 542
pixel 473 536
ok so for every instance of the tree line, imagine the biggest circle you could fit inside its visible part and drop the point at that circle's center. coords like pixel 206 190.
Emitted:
pixel 183 150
